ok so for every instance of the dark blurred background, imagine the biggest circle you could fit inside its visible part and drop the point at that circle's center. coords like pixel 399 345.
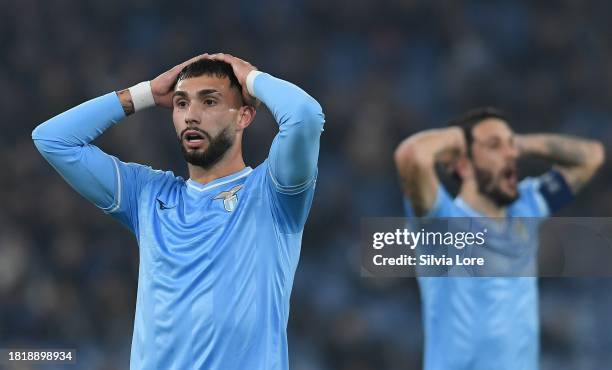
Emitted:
pixel 382 70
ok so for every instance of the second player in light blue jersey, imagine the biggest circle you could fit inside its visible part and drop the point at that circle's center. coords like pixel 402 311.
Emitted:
pixel 218 251
pixel 484 323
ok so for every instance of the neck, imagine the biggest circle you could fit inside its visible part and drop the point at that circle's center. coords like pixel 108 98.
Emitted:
pixel 230 163
pixel 479 202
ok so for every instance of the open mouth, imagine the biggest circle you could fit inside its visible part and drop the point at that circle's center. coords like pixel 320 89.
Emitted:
pixel 194 138
pixel 510 174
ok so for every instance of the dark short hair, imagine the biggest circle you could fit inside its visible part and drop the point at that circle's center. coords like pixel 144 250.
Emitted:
pixel 210 67
pixel 473 117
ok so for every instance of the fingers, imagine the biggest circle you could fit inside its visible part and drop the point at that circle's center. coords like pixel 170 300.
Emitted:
pixel 229 59
pixel 222 56
pixel 241 69
pixel 194 59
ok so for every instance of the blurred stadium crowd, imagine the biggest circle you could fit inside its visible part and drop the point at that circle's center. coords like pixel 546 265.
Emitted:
pixel 381 70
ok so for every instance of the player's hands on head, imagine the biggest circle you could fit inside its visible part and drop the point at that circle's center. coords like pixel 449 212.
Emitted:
pixel 241 70
pixel 162 86
pixel 521 144
pixel 449 157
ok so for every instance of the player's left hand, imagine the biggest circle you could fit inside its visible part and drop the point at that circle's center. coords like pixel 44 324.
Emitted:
pixel 241 70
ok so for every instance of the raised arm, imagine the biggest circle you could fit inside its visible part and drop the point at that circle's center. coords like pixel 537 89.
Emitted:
pixel 415 159
pixel 575 158
pixel 64 140
pixel 295 149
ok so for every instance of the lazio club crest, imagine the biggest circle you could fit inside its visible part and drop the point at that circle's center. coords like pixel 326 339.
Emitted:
pixel 520 230
pixel 230 199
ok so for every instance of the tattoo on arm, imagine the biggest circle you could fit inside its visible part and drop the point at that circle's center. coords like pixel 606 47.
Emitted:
pixel 577 159
pixel 126 101
pixel 567 152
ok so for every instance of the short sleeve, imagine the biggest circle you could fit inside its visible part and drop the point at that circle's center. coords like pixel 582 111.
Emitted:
pixel 545 194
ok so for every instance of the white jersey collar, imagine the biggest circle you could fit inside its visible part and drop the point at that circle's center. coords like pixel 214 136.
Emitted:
pixel 220 181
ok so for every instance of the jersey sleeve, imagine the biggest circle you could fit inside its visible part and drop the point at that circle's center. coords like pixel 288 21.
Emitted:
pixel 546 194
pixel 131 178
pixel 65 142
pixel 293 156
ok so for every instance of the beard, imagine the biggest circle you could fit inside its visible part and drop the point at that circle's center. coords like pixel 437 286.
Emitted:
pixel 488 187
pixel 217 147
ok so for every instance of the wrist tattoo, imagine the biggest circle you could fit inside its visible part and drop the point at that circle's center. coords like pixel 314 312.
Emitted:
pixel 126 101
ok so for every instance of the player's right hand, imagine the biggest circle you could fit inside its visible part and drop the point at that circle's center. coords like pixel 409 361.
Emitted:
pixel 162 86
pixel 449 157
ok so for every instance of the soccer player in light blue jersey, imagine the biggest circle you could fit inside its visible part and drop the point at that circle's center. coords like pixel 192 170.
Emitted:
pixel 484 323
pixel 218 251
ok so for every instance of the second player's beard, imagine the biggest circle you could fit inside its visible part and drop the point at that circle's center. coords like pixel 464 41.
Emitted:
pixel 487 187
pixel 217 147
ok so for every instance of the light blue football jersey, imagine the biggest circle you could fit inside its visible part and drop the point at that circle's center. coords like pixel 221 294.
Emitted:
pixel 484 323
pixel 217 260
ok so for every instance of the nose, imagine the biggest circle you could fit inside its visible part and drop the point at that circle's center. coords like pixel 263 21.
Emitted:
pixel 191 116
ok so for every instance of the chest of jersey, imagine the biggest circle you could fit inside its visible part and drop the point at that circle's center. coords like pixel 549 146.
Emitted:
pixel 183 222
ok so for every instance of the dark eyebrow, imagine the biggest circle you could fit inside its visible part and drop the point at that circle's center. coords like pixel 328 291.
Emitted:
pixel 205 92
pixel 182 94
pixel 201 94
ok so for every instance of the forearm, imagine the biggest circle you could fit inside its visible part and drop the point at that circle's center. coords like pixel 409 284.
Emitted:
pixel 81 124
pixel 295 149
pixel 431 146
pixel 576 159
pixel 563 150
pixel 415 158
pixel 64 142
pixel 288 103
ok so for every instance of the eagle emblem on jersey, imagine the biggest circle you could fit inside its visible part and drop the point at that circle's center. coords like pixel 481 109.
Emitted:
pixel 520 230
pixel 230 199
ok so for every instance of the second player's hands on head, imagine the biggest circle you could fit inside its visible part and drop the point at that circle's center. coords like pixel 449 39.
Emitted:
pixel 456 148
pixel 415 159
